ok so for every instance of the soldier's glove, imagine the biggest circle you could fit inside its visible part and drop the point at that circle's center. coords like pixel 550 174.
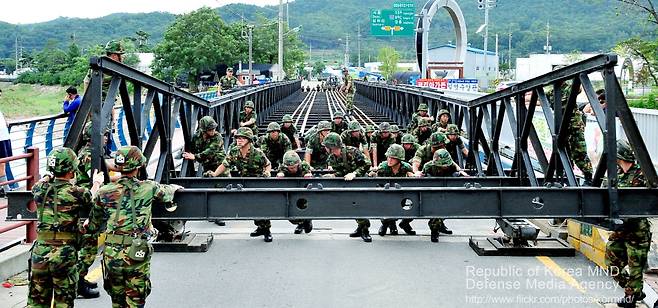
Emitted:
pixel 177 187
pixel 209 174
pixel 418 174
pixel 372 173
pixel 329 175
pixel 267 175
pixel 350 176
pixel 280 175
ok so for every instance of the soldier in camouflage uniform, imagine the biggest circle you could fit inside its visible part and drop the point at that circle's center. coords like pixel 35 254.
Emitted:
pixel 443 120
pixel 339 125
pixel 395 166
pixel 395 134
pixel 629 246
pixel 207 145
pixel 456 144
pixel 380 142
pixel 293 166
pixel 354 137
pixel 53 271
pixel 227 81
pixel 410 147
pixel 248 117
pixel 422 131
pixel 316 154
pixel 576 144
pixel 349 163
pixel 275 144
pixel 125 206
pixel 289 129
pixel 349 90
pixel 421 113
pixel 248 161
pixel 441 165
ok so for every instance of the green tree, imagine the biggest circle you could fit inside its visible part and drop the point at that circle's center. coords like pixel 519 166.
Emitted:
pixel 389 58
pixel 318 67
pixel 194 43
pixel 645 50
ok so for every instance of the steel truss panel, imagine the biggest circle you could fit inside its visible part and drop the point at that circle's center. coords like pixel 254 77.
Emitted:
pixel 465 182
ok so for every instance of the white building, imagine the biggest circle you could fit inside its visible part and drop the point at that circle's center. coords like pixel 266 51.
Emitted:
pixel 539 64
pixel 473 64
pixel 373 67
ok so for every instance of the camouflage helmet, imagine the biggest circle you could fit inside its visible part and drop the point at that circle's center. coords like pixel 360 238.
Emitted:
pixel 249 104
pixel 424 122
pixel 395 129
pixel 129 158
pixel 442 156
pixel 452 129
pixel 291 158
pixel 332 141
pixel 207 123
pixel 114 46
pixel 408 138
pixel 395 151
pixel 245 132
pixel 287 119
pixel 624 151
pixel 86 132
pixel 370 129
pixel 338 114
pixel 444 111
pixel 62 160
pixel 437 139
pixel 273 127
pixel 354 126
pixel 324 125
pixel 422 107
pixel 384 127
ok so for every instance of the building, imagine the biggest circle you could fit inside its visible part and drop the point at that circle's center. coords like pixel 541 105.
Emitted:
pixel 473 64
pixel 539 64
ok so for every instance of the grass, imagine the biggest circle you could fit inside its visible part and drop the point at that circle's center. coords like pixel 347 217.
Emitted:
pixel 19 101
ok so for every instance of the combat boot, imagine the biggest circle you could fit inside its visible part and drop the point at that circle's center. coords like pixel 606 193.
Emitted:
pixel 267 235
pixel 443 229
pixel 382 229
pixel 308 226
pixel 257 232
pixel 365 235
pixel 393 228
pixel 630 300
pixel 85 291
pixel 357 232
pixel 90 284
pixel 406 227
pixel 299 229
pixel 434 236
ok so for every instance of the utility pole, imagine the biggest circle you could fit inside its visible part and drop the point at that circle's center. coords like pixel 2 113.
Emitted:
pixel 347 50
pixel 287 15
pixel 486 5
pixel 497 58
pixel 358 42
pixel 548 46
pixel 251 60
pixel 280 77
pixel 509 50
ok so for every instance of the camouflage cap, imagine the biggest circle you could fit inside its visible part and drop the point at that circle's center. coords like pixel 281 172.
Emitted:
pixel 408 138
pixel 332 141
pixel 324 125
pixel 114 46
pixel 437 139
pixel 230 69
pixel 624 151
pixel 452 130
pixel 444 111
pixel 384 127
pixel 422 107
pixel 354 126
pixel 273 127
pixel 245 132
pixel 395 151
pixel 338 114
pixel 62 160
pixel 442 157
pixel 395 129
pixel 129 158
pixel 424 122
pixel 370 129
pixel 249 104
pixel 291 158
pixel 86 132
pixel 287 119
pixel 207 123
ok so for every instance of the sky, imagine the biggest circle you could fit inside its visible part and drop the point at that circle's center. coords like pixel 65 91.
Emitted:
pixel 34 11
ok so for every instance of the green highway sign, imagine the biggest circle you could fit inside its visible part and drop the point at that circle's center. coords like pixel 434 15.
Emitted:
pixel 399 21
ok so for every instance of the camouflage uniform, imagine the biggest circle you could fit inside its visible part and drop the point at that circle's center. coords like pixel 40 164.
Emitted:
pixel 126 206
pixel 395 134
pixel 227 83
pixel 291 158
pixel 53 270
pixel 339 128
pixel 381 143
pixel 274 149
pixel 629 246
pixel 426 152
pixel 350 140
pixel 440 166
pixel 383 170
pixel 208 152
pixel 411 152
pixel 440 126
pixel 456 146
pixel 244 117
pixel 348 83
pixel 422 136
pixel 315 148
pixel 416 117
pixel 290 131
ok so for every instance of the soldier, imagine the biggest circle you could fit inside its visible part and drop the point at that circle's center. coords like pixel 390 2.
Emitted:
pixel 289 129
pixel 227 81
pixel 316 154
pixel 444 120
pixel 53 271
pixel 125 206
pixel 354 137
pixel 349 90
pixel 395 134
pixel 248 117
pixel 380 142
pixel 422 131
pixel 410 146
pixel 338 126
pixel 207 145
pixel 441 165
pixel 293 166
pixel 630 245
pixel 349 163
pixel 421 113
pixel 248 161
pixel 456 144
pixel 395 166
pixel 275 144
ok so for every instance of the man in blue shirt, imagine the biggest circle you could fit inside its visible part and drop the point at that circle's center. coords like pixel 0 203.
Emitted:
pixel 70 106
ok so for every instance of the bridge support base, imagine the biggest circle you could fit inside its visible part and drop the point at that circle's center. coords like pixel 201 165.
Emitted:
pixel 193 242
pixel 521 240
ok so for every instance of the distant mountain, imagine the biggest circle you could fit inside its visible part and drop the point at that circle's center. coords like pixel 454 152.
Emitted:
pixel 587 25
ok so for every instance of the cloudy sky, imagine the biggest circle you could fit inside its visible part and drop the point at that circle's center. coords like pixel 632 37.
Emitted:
pixel 31 11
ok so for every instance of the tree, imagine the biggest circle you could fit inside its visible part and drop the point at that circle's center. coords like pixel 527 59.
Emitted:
pixel 645 50
pixel 318 67
pixel 266 49
pixel 194 43
pixel 389 58
pixel 573 57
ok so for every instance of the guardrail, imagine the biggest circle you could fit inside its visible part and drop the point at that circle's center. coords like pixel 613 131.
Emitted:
pixel 32 161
